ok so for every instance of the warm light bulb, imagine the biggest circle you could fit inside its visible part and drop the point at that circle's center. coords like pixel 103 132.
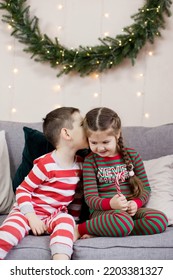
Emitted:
pixel 9 47
pixel 96 95
pixel 9 86
pixel 150 53
pixel 139 94
pixel 147 115
pixel 60 7
pixel 56 106
pixel 15 70
pixel 13 110
pixel 106 15
pixel 96 76
pixel 56 87
pixel 106 33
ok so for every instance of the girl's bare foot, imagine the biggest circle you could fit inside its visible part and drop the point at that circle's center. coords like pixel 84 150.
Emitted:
pixel 85 236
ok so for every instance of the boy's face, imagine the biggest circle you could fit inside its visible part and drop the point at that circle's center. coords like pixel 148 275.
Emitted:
pixel 77 132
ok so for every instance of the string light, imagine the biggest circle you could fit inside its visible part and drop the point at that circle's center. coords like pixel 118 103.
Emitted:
pixel 139 94
pixel 13 110
pixel 106 34
pixel 9 26
pixel 15 70
pixel 60 7
pixel 96 95
pixel 56 106
pixel 106 15
pixel 56 88
pixel 9 47
pixel 150 53
pixel 95 76
pixel 147 115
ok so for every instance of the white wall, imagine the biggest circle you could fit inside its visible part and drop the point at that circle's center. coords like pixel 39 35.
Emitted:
pixel 33 91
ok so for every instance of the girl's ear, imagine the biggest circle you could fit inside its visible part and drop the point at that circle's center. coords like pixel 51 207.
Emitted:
pixel 65 134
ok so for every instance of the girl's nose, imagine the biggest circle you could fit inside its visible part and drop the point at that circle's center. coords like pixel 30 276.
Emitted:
pixel 101 149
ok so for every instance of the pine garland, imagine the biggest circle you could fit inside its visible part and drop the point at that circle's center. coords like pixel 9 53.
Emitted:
pixel 86 59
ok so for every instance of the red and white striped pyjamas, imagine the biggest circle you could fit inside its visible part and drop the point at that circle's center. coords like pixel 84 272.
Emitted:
pixel 47 191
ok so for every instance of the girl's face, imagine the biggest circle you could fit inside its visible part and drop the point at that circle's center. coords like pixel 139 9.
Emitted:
pixel 103 143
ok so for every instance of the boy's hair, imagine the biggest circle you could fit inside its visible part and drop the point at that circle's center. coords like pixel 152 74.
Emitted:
pixel 103 118
pixel 56 120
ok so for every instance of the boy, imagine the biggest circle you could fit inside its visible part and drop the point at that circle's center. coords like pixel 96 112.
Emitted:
pixel 42 198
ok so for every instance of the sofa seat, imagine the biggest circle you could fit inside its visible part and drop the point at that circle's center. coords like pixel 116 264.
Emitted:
pixel 150 247
pixel 122 248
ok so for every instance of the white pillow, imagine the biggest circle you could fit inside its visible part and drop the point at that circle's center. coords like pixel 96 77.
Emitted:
pixel 6 191
pixel 160 176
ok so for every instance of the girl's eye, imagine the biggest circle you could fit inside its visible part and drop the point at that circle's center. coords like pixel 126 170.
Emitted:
pixel 105 142
pixel 93 143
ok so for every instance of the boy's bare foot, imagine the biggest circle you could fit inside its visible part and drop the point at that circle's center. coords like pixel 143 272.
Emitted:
pixel 60 257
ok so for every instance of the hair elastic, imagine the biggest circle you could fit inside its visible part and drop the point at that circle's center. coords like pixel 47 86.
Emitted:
pixel 131 173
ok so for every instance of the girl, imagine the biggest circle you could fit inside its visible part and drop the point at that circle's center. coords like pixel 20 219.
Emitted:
pixel 116 187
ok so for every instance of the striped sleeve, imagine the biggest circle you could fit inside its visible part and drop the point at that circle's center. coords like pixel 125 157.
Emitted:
pixel 24 192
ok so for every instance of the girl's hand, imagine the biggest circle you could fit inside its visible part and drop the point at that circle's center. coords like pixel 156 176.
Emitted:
pixel 119 201
pixel 132 208
pixel 37 226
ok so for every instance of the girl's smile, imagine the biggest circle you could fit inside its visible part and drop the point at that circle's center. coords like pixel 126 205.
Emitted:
pixel 103 143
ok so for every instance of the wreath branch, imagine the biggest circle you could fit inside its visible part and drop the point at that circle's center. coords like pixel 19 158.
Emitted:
pixel 86 59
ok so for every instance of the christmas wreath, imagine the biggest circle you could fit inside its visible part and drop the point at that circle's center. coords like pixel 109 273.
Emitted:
pixel 86 59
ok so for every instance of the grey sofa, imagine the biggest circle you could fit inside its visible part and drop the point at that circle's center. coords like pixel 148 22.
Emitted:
pixel 151 143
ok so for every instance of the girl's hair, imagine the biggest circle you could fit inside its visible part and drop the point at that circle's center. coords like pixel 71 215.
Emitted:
pixel 55 121
pixel 103 118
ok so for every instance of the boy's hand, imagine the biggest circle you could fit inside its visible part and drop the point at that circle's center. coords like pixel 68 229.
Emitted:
pixel 36 225
pixel 132 208
pixel 119 202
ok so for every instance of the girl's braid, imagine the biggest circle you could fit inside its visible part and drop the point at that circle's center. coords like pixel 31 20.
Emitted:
pixel 135 183
pixel 124 154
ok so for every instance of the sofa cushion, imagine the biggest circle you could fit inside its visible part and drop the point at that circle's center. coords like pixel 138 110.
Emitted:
pixel 142 247
pixel 35 146
pixel 6 191
pixel 160 175
pixel 150 142
pixel 15 141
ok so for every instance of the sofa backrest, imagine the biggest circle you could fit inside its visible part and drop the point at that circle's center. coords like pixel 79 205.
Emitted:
pixel 15 140
pixel 150 142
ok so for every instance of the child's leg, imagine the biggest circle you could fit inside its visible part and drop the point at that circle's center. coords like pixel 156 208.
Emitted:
pixel 13 229
pixel 149 221
pixel 107 223
pixel 61 229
